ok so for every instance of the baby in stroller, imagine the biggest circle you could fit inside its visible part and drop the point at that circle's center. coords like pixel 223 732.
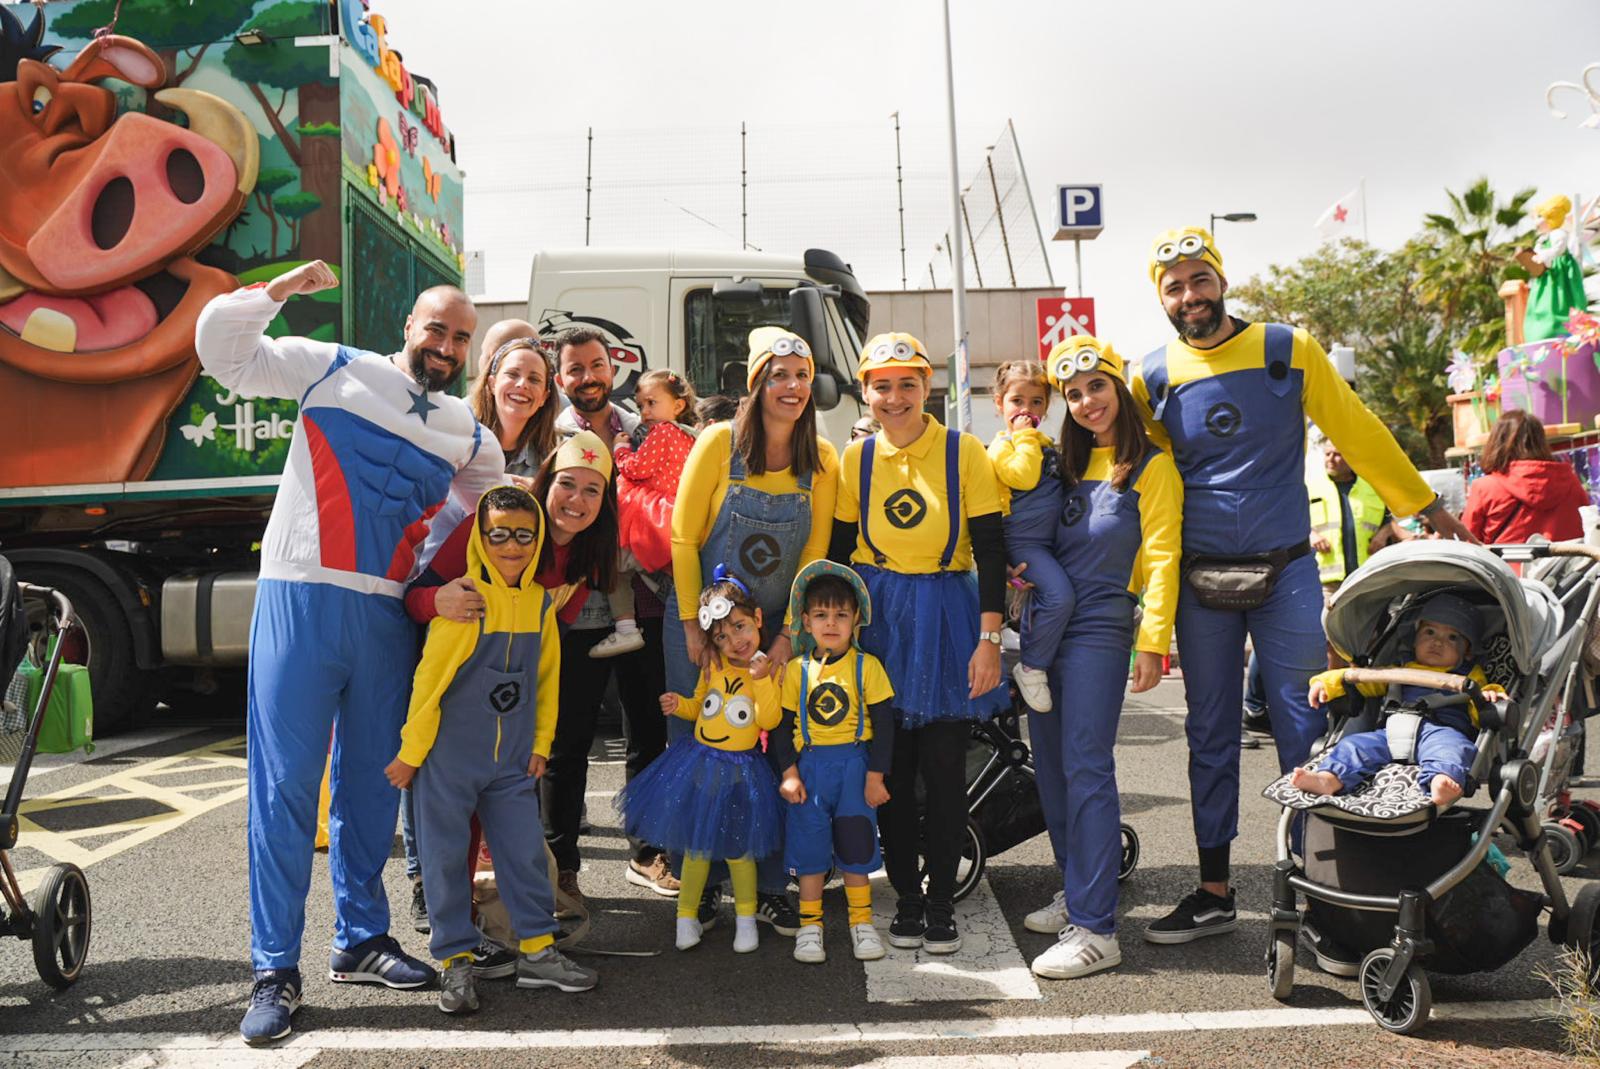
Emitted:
pixel 1449 631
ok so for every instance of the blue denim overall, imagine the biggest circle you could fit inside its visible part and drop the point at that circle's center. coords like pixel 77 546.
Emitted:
pixel 479 763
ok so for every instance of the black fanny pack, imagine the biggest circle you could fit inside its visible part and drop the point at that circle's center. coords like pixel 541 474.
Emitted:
pixel 1237 584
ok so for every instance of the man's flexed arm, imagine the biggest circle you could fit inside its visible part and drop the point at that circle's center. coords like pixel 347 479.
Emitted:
pixel 230 337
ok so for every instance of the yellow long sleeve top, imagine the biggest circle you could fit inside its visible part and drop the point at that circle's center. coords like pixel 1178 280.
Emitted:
pixel 1018 459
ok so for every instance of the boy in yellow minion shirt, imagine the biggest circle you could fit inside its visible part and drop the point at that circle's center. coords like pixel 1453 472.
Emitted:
pixel 835 745
pixel 476 738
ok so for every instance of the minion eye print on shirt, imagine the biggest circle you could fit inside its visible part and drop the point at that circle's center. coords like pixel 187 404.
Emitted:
pixel 828 704
pixel 905 508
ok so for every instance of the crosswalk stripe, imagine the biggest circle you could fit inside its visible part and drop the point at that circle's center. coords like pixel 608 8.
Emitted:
pixel 1067 1059
pixel 987 967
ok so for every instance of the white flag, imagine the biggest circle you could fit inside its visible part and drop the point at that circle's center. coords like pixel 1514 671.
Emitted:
pixel 1343 217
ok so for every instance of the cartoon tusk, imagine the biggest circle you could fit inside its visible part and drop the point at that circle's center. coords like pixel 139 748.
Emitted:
pixel 223 125
pixel 49 329
pixel 9 286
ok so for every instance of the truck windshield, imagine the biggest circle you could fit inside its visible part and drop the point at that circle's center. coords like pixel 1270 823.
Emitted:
pixel 718 336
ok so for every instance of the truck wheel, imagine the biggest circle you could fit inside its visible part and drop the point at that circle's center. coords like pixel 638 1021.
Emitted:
pixel 122 692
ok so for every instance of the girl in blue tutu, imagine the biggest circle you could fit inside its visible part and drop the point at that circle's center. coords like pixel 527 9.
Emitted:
pixel 918 510
pixel 713 797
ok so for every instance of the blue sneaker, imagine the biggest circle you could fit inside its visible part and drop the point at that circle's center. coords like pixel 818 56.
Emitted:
pixel 273 1000
pixel 379 961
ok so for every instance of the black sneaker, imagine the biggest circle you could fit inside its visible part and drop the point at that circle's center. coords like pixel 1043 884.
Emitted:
pixel 908 928
pixel 1200 914
pixel 941 936
pixel 1258 724
pixel 419 907
pixel 1333 957
pixel 492 961
pixel 777 911
pixel 710 906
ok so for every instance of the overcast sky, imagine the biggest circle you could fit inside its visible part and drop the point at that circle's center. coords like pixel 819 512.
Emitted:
pixel 1179 109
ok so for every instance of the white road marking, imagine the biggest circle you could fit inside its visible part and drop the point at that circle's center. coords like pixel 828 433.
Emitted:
pixel 922 1031
pixel 242 1058
pixel 1069 1059
pixel 45 764
pixel 988 965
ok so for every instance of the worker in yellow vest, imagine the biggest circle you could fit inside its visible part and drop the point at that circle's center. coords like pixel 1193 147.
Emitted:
pixel 1346 516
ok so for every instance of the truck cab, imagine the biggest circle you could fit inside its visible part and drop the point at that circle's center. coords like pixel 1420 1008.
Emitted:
pixel 692 311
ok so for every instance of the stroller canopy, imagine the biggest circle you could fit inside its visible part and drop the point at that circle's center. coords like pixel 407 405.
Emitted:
pixel 1530 613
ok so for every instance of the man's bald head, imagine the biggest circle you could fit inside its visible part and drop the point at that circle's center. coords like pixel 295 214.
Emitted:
pixel 500 333
pixel 439 335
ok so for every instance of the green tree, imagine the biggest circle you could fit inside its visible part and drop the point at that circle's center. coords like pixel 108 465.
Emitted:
pixel 295 207
pixel 179 33
pixel 268 182
pixel 1464 255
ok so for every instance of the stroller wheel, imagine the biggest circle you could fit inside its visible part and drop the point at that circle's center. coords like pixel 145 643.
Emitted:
pixel 1130 853
pixel 974 856
pixel 1407 1009
pixel 1280 964
pixel 61 925
pixel 1589 821
pixel 1583 927
pixel 1565 848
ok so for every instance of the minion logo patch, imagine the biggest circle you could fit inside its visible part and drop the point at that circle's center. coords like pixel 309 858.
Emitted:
pixel 760 555
pixel 827 704
pixel 905 508
pixel 1223 420
pixel 506 696
pixel 1074 509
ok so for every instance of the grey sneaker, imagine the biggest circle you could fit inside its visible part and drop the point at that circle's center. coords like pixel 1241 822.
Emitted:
pixel 551 968
pixel 457 992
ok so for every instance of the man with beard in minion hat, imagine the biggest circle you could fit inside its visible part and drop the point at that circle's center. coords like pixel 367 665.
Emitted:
pixel 1230 400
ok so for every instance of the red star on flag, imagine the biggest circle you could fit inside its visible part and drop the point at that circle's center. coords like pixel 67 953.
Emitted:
pixel 589 456
pixel 1339 213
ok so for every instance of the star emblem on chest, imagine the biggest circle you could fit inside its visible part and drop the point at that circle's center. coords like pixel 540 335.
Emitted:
pixel 420 405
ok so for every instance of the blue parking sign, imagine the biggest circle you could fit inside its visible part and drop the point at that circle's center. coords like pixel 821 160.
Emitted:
pixel 1079 212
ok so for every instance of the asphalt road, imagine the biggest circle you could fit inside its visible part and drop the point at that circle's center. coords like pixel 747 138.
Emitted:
pixel 158 819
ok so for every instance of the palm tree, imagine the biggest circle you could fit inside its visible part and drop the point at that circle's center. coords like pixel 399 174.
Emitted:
pixel 1465 255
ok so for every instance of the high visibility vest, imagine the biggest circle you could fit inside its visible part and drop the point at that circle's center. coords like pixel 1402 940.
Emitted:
pixel 1366 508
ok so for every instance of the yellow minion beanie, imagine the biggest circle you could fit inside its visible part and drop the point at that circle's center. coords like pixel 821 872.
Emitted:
pixel 768 342
pixel 584 450
pixel 1554 210
pixel 1079 354
pixel 894 349
pixel 1190 243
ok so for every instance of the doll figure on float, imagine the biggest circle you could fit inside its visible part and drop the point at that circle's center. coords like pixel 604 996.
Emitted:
pixel 1556 279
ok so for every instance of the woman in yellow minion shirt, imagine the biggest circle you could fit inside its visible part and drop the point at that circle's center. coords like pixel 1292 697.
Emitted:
pixel 757 496
pixel 1119 534
pixel 918 506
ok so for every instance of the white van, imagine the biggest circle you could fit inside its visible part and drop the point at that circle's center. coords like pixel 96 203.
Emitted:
pixel 693 311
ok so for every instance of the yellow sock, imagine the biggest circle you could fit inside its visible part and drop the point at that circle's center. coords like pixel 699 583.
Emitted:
pixel 742 874
pixel 860 899
pixel 811 913
pixel 456 957
pixel 692 884
pixel 536 943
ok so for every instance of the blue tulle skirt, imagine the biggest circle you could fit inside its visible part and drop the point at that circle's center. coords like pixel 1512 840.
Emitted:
pixel 694 799
pixel 924 629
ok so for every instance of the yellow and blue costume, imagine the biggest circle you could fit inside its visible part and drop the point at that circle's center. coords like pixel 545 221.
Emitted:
pixel 1234 417
pixel 1028 468
pixel 713 797
pixel 483 701
pixel 1113 544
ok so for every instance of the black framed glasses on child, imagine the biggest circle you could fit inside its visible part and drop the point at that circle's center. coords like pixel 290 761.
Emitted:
pixel 499 536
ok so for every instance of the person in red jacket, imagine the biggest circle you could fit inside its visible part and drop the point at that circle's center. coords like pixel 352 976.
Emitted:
pixel 1525 490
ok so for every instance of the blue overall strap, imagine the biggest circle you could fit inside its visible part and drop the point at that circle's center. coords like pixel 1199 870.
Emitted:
pixel 861 698
pixel 1279 348
pixel 952 493
pixel 736 472
pixel 804 712
pixel 868 447
pixel 1153 369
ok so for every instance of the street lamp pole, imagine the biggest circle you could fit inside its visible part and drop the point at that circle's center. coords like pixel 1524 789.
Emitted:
pixel 960 387
pixel 1230 217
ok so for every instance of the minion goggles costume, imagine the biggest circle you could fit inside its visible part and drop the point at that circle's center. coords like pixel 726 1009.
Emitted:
pixel 1234 418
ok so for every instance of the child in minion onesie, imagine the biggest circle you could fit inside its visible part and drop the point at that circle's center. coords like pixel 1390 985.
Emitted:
pixel 834 747
pixel 476 739
pixel 918 508
pixel 1230 400
pixel 1117 535
pixel 713 796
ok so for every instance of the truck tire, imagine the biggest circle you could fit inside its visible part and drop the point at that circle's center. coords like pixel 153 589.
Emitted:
pixel 123 693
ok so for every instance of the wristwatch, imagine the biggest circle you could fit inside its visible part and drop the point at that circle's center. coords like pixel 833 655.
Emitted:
pixel 1431 507
pixel 989 636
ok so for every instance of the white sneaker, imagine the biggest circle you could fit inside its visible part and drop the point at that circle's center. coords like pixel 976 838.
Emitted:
pixel 688 932
pixel 745 937
pixel 1033 684
pixel 617 643
pixel 866 943
pixel 1048 920
pixel 808 945
pixel 1078 952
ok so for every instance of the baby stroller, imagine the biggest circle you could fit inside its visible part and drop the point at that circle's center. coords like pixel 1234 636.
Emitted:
pixel 1003 807
pixel 58 922
pixel 1393 882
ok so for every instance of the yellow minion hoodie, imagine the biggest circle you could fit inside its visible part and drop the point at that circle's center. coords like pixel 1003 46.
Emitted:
pixel 515 648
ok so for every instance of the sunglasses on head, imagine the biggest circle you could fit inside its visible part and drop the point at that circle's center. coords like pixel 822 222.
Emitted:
pixel 499 536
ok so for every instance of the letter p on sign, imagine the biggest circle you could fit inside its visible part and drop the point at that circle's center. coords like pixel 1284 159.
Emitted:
pixel 1079 214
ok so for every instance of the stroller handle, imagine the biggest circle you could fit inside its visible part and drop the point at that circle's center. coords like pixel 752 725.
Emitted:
pixel 65 617
pixel 1414 677
pixel 1517 553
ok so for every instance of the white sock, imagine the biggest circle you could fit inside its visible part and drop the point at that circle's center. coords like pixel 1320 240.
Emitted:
pixel 625 625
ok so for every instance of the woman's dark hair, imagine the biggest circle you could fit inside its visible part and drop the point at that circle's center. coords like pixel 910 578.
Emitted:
pixel 594 549
pixel 1131 444
pixel 750 432
pixel 1517 435
pixel 539 433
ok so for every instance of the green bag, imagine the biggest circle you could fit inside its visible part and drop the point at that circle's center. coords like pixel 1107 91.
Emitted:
pixel 69 718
